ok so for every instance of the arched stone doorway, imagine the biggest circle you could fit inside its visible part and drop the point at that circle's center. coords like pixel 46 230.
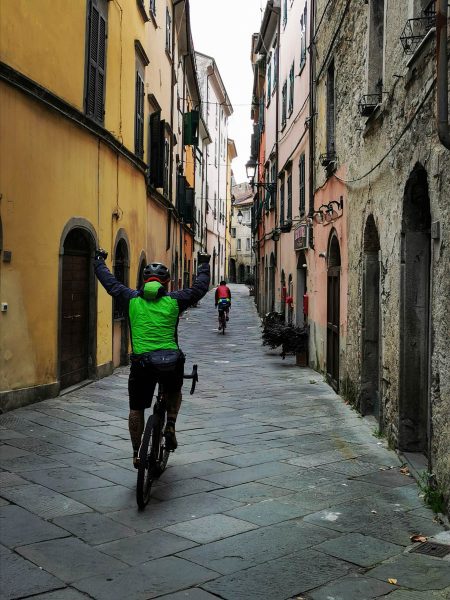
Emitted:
pixel 121 268
pixel 77 306
pixel 241 273
pixel 333 310
pixel 370 333
pixel 301 289
pixel 232 270
pixel 271 295
pixel 414 313
pixel 140 274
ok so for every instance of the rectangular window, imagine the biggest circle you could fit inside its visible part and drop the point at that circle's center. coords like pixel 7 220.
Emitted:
pixel 283 105
pixel 215 153
pixel 96 60
pixel 302 194
pixel 275 67
pixel 166 166
pixel 285 9
pixel 153 7
pixel 233 232
pixel 291 90
pixel 269 79
pixel 139 112
pixel 156 136
pixel 282 201
pixel 330 112
pixel 247 243
pixel 215 205
pixel 289 197
pixel 239 243
pixel 375 50
pixel 303 27
pixel 168 32
pixel 273 178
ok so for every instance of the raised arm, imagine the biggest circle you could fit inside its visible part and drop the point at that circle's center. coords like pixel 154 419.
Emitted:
pixel 110 283
pixel 190 296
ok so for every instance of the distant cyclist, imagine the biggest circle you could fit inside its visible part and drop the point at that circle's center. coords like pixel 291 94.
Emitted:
pixel 223 300
pixel 153 314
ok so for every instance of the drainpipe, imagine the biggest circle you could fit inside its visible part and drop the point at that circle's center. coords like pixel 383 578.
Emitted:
pixel 312 58
pixel 442 75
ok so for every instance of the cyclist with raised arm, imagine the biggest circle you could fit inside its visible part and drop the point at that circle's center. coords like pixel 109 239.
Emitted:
pixel 153 315
pixel 222 300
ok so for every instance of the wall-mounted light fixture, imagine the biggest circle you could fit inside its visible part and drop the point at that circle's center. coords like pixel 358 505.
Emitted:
pixel 250 167
pixel 327 213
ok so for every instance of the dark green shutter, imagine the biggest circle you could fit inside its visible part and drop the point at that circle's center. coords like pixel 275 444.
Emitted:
pixel 302 184
pixel 191 122
pixel 139 117
pixel 189 205
pixel 95 84
pixel 156 175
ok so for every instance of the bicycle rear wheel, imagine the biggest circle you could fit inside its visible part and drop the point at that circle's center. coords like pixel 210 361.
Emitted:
pixel 224 322
pixel 147 470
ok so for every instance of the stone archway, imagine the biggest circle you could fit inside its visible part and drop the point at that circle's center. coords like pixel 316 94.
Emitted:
pixel 333 310
pixel 301 289
pixel 121 267
pixel 415 270
pixel 370 331
pixel 77 305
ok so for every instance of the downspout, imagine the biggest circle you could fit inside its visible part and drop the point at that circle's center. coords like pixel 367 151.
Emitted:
pixel 442 74
pixel 277 135
pixel 207 158
pixel 312 59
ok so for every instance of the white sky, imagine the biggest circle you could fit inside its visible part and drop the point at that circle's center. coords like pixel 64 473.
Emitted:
pixel 223 30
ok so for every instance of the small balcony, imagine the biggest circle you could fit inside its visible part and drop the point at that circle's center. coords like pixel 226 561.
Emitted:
pixel 416 29
pixel 368 104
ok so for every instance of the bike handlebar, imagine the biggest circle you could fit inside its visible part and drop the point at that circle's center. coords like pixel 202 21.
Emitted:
pixel 194 377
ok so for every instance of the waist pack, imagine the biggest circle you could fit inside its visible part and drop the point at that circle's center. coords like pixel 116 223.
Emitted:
pixel 164 361
pixel 223 304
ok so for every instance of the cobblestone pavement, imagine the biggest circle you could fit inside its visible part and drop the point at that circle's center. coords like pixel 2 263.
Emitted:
pixel 278 490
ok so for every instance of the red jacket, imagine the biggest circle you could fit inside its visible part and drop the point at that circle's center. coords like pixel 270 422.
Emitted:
pixel 222 291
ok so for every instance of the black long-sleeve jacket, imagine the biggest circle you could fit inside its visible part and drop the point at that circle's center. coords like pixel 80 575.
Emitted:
pixel 153 313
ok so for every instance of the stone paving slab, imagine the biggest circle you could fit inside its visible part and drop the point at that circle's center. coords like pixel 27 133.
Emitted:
pixel 19 527
pixel 146 546
pixel 150 580
pixel 352 586
pixel 21 578
pixel 278 489
pixel 248 549
pixel 416 571
pixel 70 559
pixel 282 578
pixel 362 550
pixel 210 528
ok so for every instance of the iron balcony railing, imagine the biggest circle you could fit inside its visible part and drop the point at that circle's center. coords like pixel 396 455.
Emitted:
pixel 416 29
pixel 368 104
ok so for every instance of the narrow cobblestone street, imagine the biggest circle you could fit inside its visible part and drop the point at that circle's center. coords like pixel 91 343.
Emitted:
pixel 278 490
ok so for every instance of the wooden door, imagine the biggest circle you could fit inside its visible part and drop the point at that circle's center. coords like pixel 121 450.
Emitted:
pixel 74 318
pixel 333 288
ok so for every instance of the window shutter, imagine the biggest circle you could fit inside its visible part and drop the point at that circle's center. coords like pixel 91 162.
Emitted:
pixel 302 185
pixel 282 203
pixel 95 86
pixel 289 197
pixel 156 175
pixel 191 122
pixel 181 194
pixel 139 117
pixel 189 205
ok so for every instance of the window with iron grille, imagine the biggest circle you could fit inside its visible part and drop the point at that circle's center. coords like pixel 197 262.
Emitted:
pixel 283 104
pixel 168 32
pixel 239 243
pixel 303 27
pixel 282 200
pixel 96 60
pixel 289 197
pixel 302 194
pixel 291 90
pixel 139 112
pixel 233 232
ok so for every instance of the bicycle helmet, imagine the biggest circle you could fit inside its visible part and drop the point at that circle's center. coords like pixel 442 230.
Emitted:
pixel 156 272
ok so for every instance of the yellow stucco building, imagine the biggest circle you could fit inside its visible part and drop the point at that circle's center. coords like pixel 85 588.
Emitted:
pixel 88 140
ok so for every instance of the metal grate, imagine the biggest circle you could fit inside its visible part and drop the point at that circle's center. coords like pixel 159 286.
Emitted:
pixel 432 549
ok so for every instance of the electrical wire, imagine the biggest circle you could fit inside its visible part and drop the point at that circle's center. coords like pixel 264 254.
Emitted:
pixel 405 129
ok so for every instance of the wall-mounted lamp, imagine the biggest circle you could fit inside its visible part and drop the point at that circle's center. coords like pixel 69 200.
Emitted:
pixel 276 235
pixel 327 212
pixel 250 168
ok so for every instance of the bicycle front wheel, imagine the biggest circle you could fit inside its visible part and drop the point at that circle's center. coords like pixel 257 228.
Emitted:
pixel 147 470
